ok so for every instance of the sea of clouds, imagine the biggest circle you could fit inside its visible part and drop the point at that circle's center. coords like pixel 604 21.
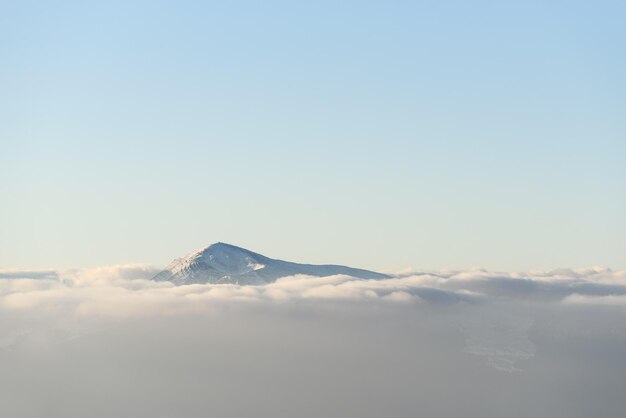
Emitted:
pixel 109 342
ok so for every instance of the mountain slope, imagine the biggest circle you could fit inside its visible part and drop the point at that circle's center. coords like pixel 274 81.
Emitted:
pixel 225 263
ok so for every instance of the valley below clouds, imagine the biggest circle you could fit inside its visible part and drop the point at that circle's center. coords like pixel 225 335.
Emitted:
pixel 109 341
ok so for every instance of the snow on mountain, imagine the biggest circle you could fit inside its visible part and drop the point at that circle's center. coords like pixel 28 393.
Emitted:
pixel 225 263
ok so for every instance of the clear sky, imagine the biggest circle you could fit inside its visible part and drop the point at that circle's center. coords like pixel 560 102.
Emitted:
pixel 378 134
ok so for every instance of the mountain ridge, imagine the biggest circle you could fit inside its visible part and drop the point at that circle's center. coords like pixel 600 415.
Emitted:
pixel 226 263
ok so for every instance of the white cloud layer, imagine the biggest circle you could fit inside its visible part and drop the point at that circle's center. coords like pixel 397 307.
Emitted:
pixel 128 290
pixel 449 343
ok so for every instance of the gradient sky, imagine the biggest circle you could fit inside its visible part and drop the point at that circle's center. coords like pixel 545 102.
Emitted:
pixel 376 134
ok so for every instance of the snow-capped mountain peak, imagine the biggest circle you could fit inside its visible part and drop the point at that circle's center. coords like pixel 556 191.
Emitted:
pixel 225 263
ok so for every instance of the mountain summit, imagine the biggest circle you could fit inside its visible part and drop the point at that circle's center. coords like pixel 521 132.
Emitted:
pixel 225 263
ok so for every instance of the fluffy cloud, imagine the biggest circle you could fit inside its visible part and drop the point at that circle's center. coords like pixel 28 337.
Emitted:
pixel 473 343
pixel 126 289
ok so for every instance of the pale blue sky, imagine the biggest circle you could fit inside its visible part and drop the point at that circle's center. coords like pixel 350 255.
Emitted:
pixel 378 134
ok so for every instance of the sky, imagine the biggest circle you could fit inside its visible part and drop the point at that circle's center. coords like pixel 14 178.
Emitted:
pixel 383 135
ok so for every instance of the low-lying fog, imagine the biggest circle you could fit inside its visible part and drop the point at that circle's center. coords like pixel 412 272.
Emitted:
pixel 109 342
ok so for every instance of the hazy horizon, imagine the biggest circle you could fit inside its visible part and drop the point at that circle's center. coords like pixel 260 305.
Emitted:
pixel 415 267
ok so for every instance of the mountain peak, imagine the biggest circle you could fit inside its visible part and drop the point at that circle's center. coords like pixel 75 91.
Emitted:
pixel 226 263
pixel 215 248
